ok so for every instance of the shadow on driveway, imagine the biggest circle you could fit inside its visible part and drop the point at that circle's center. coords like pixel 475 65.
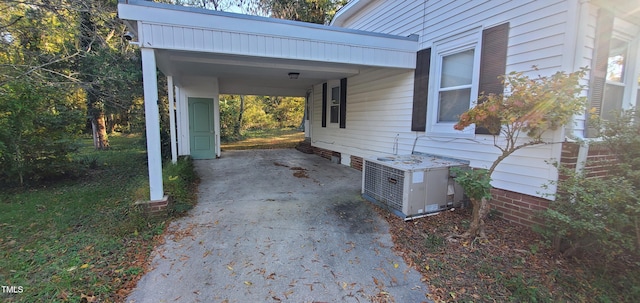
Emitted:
pixel 278 226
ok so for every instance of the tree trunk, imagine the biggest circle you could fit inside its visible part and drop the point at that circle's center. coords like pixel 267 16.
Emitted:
pixel 111 123
pixel 238 126
pixel 480 210
pixel 101 139
pixel 94 133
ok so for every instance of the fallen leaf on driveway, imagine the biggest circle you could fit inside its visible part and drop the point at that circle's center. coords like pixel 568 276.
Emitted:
pixel 288 293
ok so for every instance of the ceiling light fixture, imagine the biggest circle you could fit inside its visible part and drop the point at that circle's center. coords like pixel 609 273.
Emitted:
pixel 294 76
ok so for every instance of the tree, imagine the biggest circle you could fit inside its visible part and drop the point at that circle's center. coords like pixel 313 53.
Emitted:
pixel 238 127
pixel 517 120
pixel 314 11
pixel 218 5
pixel 108 67
pixel 71 44
pixel 38 130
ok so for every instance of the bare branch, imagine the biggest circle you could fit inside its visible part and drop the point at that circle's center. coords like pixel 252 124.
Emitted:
pixel 41 67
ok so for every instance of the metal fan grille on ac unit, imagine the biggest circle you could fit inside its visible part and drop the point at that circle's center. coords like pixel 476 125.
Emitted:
pixel 384 184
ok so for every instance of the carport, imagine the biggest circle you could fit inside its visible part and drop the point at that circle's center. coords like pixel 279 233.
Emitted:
pixel 205 53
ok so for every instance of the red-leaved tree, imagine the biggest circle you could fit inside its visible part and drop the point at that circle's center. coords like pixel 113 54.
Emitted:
pixel 517 119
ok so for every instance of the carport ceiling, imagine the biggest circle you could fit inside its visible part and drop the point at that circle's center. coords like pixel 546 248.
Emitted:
pixel 251 75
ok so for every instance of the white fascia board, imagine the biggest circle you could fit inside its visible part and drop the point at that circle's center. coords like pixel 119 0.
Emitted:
pixel 159 13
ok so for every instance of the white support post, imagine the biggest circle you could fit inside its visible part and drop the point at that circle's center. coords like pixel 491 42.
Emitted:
pixel 172 120
pixel 152 122
pixel 180 128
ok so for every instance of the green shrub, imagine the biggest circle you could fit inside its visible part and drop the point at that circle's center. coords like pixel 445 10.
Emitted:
pixel 600 215
pixel 179 183
pixel 475 182
pixel 39 129
pixel 589 215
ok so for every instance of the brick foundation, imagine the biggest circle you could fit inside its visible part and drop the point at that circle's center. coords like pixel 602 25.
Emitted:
pixel 569 157
pixel 356 163
pixel 520 208
pixel 325 153
pixel 305 146
pixel 599 159
pixel 155 208
pixel 516 207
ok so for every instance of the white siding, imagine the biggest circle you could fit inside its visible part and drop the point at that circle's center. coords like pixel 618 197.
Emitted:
pixel 584 57
pixel 379 102
pixel 537 35
pixel 401 20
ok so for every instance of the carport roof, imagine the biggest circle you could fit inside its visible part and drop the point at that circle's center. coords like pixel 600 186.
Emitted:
pixel 254 55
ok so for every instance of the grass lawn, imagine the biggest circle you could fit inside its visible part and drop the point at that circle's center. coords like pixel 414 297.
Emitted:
pixel 266 139
pixel 83 238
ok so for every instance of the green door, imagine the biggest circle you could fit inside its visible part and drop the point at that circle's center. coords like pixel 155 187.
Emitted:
pixel 201 133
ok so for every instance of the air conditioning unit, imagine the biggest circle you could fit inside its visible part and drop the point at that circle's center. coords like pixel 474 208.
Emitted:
pixel 412 186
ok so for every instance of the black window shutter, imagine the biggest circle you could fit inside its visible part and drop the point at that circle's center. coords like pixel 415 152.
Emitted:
pixel 324 104
pixel 598 77
pixel 493 63
pixel 343 102
pixel 421 90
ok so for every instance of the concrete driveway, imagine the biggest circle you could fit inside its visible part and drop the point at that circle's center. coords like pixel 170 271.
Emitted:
pixel 278 226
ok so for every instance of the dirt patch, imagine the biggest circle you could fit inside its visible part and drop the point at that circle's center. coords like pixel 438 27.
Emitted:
pixel 280 164
pixel 356 215
pixel 300 174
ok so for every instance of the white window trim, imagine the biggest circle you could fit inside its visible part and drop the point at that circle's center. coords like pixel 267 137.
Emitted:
pixel 330 85
pixel 622 31
pixel 461 42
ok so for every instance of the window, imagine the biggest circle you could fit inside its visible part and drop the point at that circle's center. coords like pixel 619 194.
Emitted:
pixel 334 105
pixel 638 93
pixel 334 112
pixel 456 69
pixel 615 78
pixel 455 85
pixel 613 85
pixel 461 59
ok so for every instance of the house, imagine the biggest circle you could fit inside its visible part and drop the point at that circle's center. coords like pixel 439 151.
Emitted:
pixel 388 75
